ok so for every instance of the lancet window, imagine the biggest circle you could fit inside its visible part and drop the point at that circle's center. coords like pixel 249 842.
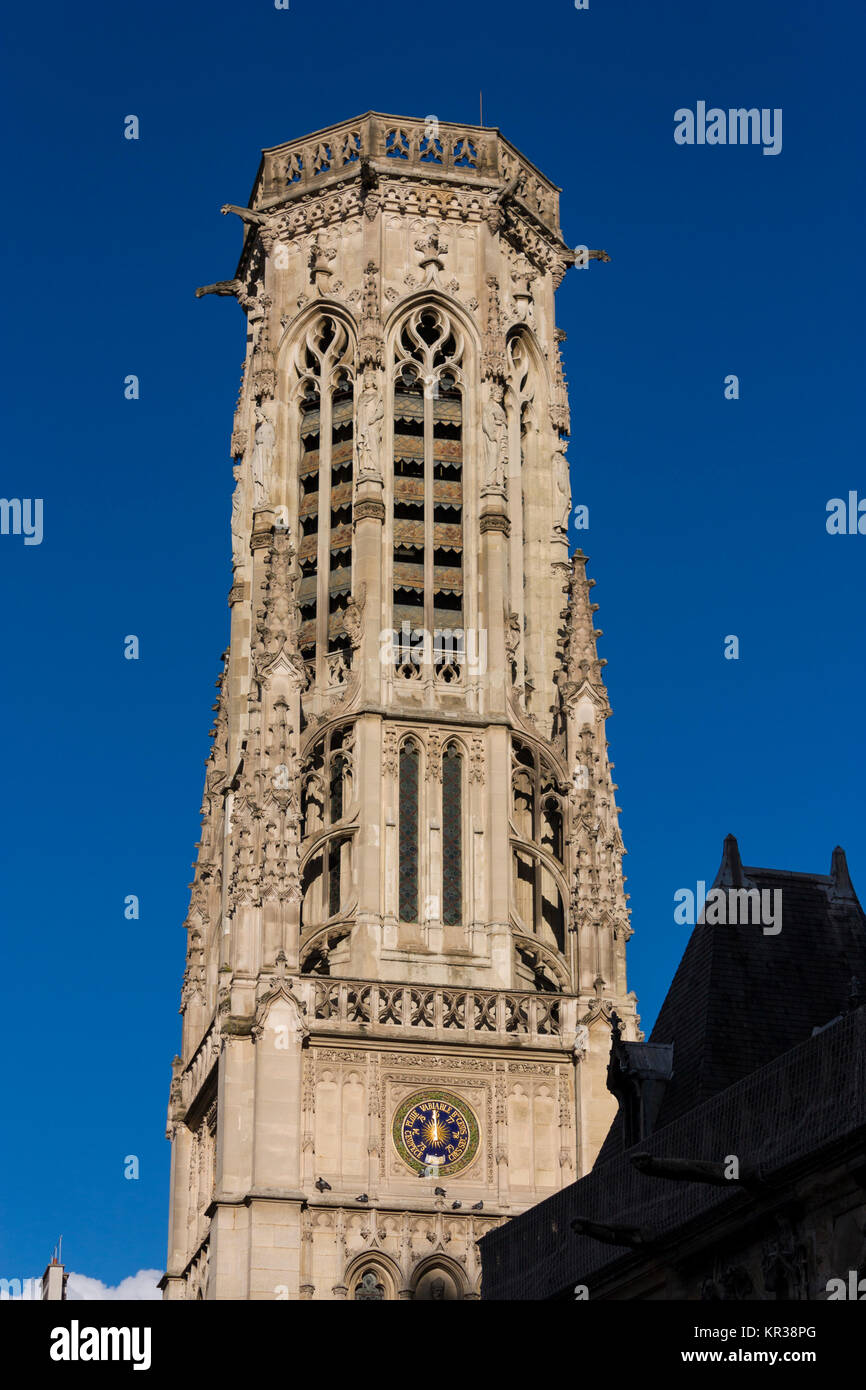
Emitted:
pixel 520 401
pixel 452 835
pixel 326 799
pixel 537 817
pixel 324 362
pixel 428 576
pixel 409 803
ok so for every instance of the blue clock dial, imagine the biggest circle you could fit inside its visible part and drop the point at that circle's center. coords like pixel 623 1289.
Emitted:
pixel 435 1131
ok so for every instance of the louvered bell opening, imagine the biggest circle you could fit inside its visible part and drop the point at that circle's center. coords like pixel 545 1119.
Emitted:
pixel 338 599
pixel 308 548
pixel 342 409
pixel 447 521
pixel 448 538
pixel 308 518
pixel 340 573
pixel 310 415
pixel 341 497
pixel 341 457
pixel 306 591
pixel 336 628
pixel 408 448
pixel 408 404
pixel 341 538
pixel 340 544
pixel 448 451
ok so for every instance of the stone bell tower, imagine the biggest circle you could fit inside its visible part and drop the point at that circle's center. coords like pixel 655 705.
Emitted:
pixel 407 926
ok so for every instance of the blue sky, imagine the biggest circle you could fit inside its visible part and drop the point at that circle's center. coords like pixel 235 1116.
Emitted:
pixel 707 516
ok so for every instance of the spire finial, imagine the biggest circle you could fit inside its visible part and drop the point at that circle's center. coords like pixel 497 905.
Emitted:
pixel 730 873
pixel 840 879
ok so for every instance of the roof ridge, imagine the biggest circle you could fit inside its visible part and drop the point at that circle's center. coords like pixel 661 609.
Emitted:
pixel 786 873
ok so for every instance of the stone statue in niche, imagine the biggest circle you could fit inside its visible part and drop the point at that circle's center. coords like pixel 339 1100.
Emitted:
pixel 353 616
pixel 495 427
pixel 437 1287
pixel 563 489
pixel 263 453
pixel 371 413
pixel 237 509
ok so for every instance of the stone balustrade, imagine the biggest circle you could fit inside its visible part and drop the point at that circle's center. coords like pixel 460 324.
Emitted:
pixel 409 1012
pixel 346 1005
pixel 397 145
pixel 199 1066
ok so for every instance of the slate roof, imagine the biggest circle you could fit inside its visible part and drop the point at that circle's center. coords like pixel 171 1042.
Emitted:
pixel 740 997
pixel 749 1078
pixel 788 1115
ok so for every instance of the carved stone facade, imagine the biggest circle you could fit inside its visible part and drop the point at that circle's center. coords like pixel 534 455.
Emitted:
pixel 409 879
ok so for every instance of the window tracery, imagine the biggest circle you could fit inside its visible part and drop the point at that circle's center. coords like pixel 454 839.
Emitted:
pixel 428 575
pixel 326 797
pixel 537 816
pixel 369 1287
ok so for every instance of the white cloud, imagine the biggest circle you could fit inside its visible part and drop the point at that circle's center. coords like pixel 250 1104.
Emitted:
pixel 135 1287
pixel 138 1287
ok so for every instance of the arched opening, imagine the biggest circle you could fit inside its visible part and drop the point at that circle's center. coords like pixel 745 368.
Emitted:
pixel 428 578
pixel 372 1280
pixel 439 1281
pixel 408 830
pixel 537 820
pixel 452 836
pixel 324 361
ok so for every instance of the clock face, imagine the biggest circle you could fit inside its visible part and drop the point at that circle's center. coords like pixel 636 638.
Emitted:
pixel 435 1132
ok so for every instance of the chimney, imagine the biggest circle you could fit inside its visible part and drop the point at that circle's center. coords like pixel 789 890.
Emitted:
pixel 54 1280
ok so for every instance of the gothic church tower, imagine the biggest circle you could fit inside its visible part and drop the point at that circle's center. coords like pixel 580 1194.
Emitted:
pixel 407 926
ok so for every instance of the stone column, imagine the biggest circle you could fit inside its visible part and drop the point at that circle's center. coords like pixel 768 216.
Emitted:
pixel 179 1209
pixel 495 529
